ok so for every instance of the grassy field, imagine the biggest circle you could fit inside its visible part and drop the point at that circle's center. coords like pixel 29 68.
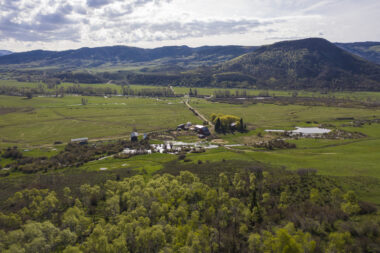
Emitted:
pixel 146 163
pixel 278 116
pixel 112 86
pixel 44 120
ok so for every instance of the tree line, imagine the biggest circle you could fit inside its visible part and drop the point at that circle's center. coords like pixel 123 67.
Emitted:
pixel 148 92
pixel 77 89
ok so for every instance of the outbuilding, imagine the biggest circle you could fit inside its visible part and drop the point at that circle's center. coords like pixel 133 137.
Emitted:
pixel 81 141
pixel 134 136
pixel 203 130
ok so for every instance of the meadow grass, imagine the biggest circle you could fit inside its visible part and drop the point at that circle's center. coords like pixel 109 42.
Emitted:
pixel 356 160
pixel 146 163
pixel 112 86
pixel 59 119
pixel 283 116
pixel 43 151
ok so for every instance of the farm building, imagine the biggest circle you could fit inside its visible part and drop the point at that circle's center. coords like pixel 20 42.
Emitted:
pixel 202 130
pixel 134 136
pixel 80 140
pixel 184 126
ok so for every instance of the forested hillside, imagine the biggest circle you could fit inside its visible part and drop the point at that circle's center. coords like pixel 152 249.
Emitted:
pixel 249 211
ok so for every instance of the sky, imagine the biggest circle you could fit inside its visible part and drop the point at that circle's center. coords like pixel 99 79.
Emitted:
pixel 69 24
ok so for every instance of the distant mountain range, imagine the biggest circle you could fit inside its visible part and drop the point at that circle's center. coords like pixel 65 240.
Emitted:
pixel 367 50
pixel 312 63
pixel 4 52
pixel 123 56
pixel 107 57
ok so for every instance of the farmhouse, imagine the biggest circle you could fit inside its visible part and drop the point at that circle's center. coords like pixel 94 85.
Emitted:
pixel 134 136
pixel 82 141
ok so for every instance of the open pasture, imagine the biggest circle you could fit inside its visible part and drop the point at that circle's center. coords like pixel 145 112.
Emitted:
pixel 147 164
pixel 280 116
pixel 112 86
pixel 43 120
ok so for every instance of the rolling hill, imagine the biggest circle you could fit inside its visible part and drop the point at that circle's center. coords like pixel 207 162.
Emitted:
pixel 302 64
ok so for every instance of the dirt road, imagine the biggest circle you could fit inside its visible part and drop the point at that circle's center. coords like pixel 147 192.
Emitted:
pixel 199 115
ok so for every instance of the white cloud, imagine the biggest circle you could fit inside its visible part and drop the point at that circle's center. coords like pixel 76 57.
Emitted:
pixel 63 24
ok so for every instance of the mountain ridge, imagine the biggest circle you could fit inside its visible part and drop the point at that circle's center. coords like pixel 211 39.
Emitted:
pixel 311 63
pixel 369 50
pixel 123 55
pixel 304 63
pixel 89 57
pixel 5 52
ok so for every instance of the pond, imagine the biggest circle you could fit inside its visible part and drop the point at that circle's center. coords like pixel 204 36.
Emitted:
pixel 302 130
pixel 310 130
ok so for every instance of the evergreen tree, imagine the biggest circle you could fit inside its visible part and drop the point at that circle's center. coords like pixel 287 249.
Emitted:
pixel 218 125
pixel 242 127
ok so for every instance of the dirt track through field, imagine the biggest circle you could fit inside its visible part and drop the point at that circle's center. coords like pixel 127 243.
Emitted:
pixel 199 115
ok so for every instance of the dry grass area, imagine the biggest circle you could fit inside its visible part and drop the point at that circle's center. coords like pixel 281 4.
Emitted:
pixel 6 110
pixel 219 141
